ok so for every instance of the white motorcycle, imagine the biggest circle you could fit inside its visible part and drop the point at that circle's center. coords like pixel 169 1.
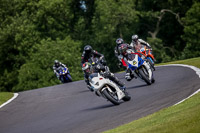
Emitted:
pixel 108 89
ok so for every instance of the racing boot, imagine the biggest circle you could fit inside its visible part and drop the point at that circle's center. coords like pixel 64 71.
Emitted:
pixel 123 88
pixel 90 88
pixel 128 76
pixel 117 81
pixel 120 84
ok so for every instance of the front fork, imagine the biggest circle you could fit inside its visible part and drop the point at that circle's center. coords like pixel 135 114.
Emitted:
pixel 148 68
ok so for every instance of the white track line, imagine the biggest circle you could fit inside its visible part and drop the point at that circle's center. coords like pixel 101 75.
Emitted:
pixel 15 96
pixel 197 70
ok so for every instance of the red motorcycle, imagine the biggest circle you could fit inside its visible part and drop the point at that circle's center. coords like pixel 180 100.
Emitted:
pixel 149 56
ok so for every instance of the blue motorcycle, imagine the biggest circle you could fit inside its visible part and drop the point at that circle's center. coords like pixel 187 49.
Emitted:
pixel 65 76
pixel 139 67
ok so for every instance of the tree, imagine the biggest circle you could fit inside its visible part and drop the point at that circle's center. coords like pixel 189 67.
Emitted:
pixel 23 24
pixel 112 19
pixel 38 72
pixel 192 32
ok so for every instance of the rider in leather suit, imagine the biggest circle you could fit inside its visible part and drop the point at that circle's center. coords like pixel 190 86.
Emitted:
pixel 89 65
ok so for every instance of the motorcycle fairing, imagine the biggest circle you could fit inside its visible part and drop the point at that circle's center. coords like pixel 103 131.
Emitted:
pixel 97 81
pixel 135 62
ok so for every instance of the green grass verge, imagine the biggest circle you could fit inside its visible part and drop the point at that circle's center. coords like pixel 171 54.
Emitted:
pixel 182 118
pixel 5 96
pixel 194 62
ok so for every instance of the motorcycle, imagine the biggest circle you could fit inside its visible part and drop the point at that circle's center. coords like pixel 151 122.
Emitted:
pixel 139 67
pixel 107 89
pixel 65 76
pixel 149 56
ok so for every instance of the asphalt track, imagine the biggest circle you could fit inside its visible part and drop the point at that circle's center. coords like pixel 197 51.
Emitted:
pixel 72 108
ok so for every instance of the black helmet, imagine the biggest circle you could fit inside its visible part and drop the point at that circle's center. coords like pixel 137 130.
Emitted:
pixel 134 38
pixel 88 49
pixel 57 63
pixel 122 49
pixel 119 41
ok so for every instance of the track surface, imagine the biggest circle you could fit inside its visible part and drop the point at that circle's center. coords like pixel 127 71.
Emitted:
pixel 72 108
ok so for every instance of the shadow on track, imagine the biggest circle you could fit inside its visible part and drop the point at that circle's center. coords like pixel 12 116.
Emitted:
pixel 138 86
pixel 99 107
pixel 83 91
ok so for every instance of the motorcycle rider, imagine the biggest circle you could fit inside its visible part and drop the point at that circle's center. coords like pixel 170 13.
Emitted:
pixel 120 41
pixel 137 43
pixel 56 67
pixel 126 53
pixel 103 70
pixel 119 55
pixel 88 56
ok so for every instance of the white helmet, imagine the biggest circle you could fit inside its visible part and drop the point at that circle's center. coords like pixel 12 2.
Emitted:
pixel 86 67
pixel 134 38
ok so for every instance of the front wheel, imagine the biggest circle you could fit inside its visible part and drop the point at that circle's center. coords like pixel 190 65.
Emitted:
pixel 69 77
pixel 144 75
pixel 126 97
pixel 112 97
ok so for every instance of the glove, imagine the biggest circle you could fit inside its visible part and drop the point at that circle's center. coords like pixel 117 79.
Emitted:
pixel 106 74
pixel 101 57
pixel 98 67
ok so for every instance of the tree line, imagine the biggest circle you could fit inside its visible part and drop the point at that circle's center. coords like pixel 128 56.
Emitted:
pixel 36 32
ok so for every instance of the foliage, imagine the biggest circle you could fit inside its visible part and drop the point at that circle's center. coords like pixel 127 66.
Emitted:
pixel 158 49
pixel 116 20
pixel 38 72
pixel 193 61
pixel 27 25
pixel 192 32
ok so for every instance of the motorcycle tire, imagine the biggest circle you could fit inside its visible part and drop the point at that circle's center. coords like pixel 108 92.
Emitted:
pixel 151 64
pixel 109 96
pixel 144 76
pixel 153 80
pixel 126 97
pixel 69 78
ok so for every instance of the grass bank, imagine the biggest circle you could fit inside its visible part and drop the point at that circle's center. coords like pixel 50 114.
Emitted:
pixel 193 61
pixel 182 118
pixel 5 96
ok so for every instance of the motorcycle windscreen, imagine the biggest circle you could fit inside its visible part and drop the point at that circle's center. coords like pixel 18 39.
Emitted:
pixel 62 70
pixel 135 61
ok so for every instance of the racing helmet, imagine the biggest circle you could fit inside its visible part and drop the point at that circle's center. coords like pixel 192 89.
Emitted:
pixel 57 63
pixel 119 41
pixel 86 67
pixel 122 49
pixel 88 49
pixel 134 38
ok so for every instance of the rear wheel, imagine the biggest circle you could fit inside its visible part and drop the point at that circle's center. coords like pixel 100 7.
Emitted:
pixel 112 97
pixel 144 74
